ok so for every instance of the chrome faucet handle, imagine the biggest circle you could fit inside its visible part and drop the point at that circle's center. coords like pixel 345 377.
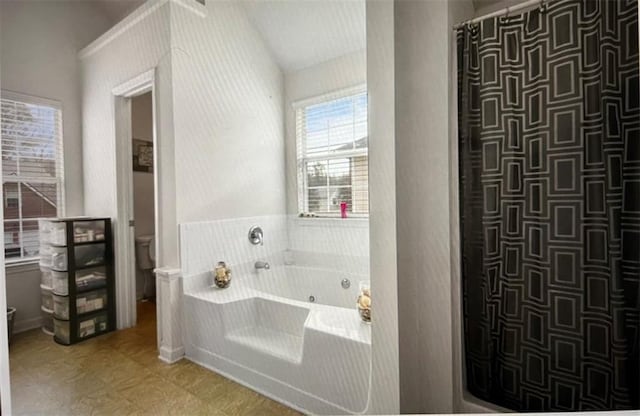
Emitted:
pixel 256 235
pixel 262 265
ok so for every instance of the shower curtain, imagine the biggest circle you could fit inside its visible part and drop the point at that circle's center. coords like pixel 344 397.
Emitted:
pixel 549 163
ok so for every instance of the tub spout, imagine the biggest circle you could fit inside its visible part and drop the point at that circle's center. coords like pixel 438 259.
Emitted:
pixel 262 265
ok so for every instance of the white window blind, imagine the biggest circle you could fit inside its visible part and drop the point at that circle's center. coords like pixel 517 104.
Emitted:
pixel 332 155
pixel 32 170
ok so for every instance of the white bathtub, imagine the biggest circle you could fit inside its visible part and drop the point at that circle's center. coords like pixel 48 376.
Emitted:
pixel 265 333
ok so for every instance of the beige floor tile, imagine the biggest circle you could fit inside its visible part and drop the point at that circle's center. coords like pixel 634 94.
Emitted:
pixel 120 374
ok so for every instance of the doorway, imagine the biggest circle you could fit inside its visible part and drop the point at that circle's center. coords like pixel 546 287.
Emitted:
pixel 143 194
pixel 136 224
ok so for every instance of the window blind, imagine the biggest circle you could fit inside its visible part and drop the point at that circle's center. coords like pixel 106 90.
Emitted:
pixel 332 155
pixel 32 170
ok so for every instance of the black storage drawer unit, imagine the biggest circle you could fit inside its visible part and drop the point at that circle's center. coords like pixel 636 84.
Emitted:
pixel 83 278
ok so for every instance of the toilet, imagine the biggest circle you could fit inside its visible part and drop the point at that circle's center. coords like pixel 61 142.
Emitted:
pixel 146 258
pixel 146 252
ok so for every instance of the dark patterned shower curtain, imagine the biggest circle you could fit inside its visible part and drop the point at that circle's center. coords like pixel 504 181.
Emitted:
pixel 549 143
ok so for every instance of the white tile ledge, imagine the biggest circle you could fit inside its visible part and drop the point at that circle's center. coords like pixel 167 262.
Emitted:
pixel 331 320
pixel 332 222
pixel 168 273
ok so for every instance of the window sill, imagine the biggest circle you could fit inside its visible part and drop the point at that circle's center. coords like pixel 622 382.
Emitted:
pixel 354 222
pixel 12 264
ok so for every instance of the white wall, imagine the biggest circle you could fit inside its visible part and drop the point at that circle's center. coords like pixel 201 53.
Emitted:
pixel 23 293
pixel 141 42
pixel 40 41
pixel 384 395
pixel 143 192
pixel 417 331
pixel 38 57
pixel 426 191
pixel 143 46
pixel 228 117
pixel 220 140
pixel 422 186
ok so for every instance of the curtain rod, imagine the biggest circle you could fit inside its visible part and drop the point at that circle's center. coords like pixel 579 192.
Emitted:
pixel 503 12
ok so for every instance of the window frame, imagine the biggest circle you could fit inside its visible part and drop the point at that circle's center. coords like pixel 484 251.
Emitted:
pixel 302 158
pixel 21 180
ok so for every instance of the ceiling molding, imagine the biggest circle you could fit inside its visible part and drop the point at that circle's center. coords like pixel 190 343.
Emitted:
pixel 146 9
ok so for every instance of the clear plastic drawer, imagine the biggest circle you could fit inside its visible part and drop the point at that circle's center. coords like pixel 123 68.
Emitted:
pixel 90 255
pixel 47 320
pixel 46 256
pixel 85 256
pixel 47 297
pixel 85 231
pixel 46 276
pixel 85 303
pixel 86 279
pixel 59 258
pixel 58 233
pixel 86 327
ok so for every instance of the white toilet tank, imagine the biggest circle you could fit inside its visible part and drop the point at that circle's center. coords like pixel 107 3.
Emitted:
pixel 145 252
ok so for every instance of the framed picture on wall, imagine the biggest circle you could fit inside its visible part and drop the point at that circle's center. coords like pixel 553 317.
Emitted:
pixel 142 156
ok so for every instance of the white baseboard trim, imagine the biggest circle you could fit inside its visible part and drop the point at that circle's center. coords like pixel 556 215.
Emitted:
pixel 171 356
pixel 279 391
pixel 27 324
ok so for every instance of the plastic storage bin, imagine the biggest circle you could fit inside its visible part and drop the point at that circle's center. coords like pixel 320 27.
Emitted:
pixel 61 307
pixel 85 303
pixel 82 280
pixel 47 297
pixel 58 258
pixel 57 233
pixel 61 330
pixel 47 320
pixel 46 253
pixel 86 327
pixel 86 279
pixel 91 278
pixel 90 255
pixel 91 301
pixel 46 278
pixel 44 231
pixel 59 283
pixel 84 231
pixel 86 256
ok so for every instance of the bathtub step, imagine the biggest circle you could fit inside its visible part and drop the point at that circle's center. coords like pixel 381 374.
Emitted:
pixel 276 343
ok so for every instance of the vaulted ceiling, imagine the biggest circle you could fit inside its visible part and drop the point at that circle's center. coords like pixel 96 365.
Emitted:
pixel 300 33
pixel 304 33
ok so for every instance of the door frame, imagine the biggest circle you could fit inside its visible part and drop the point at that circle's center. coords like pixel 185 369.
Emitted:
pixel 123 227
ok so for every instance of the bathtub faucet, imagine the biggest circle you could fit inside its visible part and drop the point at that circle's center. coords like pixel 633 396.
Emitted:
pixel 262 265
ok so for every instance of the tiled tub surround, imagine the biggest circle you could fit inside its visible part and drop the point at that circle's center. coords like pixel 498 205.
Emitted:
pixel 263 331
pixel 204 244
pixel 339 244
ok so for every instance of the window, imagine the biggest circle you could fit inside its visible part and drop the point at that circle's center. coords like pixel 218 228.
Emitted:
pixel 332 153
pixel 11 199
pixel 32 178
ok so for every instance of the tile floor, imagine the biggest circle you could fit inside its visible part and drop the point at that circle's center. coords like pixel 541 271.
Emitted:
pixel 119 374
